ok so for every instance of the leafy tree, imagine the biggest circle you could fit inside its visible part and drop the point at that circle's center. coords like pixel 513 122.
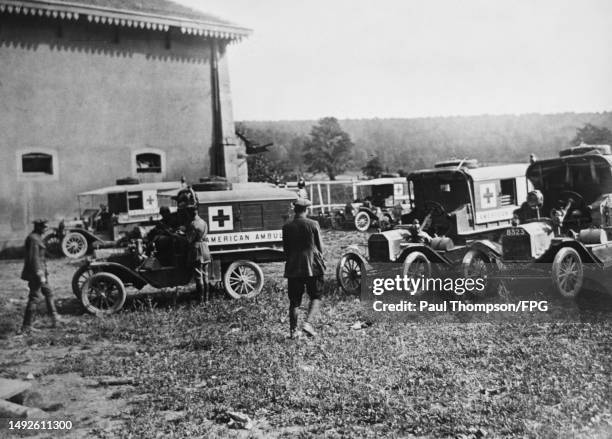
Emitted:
pixel 328 149
pixel 270 165
pixel 373 168
pixel 593 135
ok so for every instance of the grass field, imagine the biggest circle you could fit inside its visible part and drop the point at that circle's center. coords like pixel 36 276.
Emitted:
pixel 195 363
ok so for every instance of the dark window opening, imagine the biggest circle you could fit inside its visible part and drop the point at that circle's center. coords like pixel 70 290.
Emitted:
pixel 508 192
pixel 117 203
pixel 148 162
pixel 37 163
pixel 135 201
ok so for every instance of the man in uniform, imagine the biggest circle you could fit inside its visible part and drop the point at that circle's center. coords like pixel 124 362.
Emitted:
pixel 302 192
pixel 199 255
pixel 304 267
pixel 35 273
pixel 161 237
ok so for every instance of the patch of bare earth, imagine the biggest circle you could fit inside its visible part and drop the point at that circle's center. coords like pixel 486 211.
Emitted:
pixel 190 366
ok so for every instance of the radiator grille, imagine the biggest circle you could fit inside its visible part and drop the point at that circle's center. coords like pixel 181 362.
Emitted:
pixel 516 248
pixel 378 250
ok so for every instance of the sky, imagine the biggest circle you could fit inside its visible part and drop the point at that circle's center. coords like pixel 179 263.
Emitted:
pixel 308 59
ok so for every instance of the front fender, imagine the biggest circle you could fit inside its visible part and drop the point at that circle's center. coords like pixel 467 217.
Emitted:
pixel 91 238
pixel 127 275
pixel 432 255
pixel 370 212
pixel 487 247
pixel 558 244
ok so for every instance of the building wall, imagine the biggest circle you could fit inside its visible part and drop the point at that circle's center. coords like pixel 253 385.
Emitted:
pixel 93 96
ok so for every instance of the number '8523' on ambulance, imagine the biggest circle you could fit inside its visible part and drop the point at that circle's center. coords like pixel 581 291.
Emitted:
pixel 459 211
pixel 567 220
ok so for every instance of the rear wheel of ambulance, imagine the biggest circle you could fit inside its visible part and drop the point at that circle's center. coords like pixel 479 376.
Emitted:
pixel 243 279
pixel 567 272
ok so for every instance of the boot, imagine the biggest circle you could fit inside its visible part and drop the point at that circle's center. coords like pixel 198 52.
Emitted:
pixel 313 311
pixel 206 288
pixel 28 316
pixel 200 292
pixel 293 321
pixel 56 320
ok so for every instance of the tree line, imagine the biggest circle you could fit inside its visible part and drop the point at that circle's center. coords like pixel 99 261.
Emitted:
pixel 371 146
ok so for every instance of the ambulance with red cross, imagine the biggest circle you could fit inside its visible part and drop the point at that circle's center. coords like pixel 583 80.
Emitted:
pixel 244 230
pixel 459 211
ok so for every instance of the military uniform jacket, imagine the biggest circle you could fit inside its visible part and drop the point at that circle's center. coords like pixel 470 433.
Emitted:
pixel 35 263
pixel 196 236
pixel 303 249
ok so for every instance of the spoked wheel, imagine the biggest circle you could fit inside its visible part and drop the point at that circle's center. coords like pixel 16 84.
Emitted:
pixel 362 221
pixel 82 275
pixel 416 265
pixel 568 272
pixel 103 294
pixel 348 274
pixel 74 245
pixel 53 245
pixel 243 279
pixel 475 265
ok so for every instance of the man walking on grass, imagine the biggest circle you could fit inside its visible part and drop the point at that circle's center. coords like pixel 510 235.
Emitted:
pixel 35 273
pixel 304 267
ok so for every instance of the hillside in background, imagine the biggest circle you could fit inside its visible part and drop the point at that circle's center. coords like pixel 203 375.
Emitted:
pixel 408 144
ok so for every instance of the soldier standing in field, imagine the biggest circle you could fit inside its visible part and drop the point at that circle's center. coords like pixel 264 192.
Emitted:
pixel 304 267
pixel 36 274
pixel 199 255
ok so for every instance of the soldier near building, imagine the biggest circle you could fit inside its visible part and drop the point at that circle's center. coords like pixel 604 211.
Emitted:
pixel 199 254
pixel 36 274
pixel 305 267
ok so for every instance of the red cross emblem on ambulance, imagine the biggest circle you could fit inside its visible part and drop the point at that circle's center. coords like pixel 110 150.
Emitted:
pixel 220 218
pixel 488 195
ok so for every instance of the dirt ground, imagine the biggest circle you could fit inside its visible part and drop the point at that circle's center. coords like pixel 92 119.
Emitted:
pixel 64 396
pixel 45 359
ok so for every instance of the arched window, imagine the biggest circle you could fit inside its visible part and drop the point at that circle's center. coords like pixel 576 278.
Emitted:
pixel 37 163
pixel 149 162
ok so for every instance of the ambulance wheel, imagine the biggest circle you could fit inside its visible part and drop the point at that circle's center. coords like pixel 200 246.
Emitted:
pixel 362 221
pixel 416 265
pixel 103 294
pixel 243 279
pixel 82 275
pixel 348 274
pixel 567 272
pixel 74 245
pixel 53 245
pixel 476 265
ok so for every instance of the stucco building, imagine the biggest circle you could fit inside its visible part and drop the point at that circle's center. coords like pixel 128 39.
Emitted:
pixel 96 90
